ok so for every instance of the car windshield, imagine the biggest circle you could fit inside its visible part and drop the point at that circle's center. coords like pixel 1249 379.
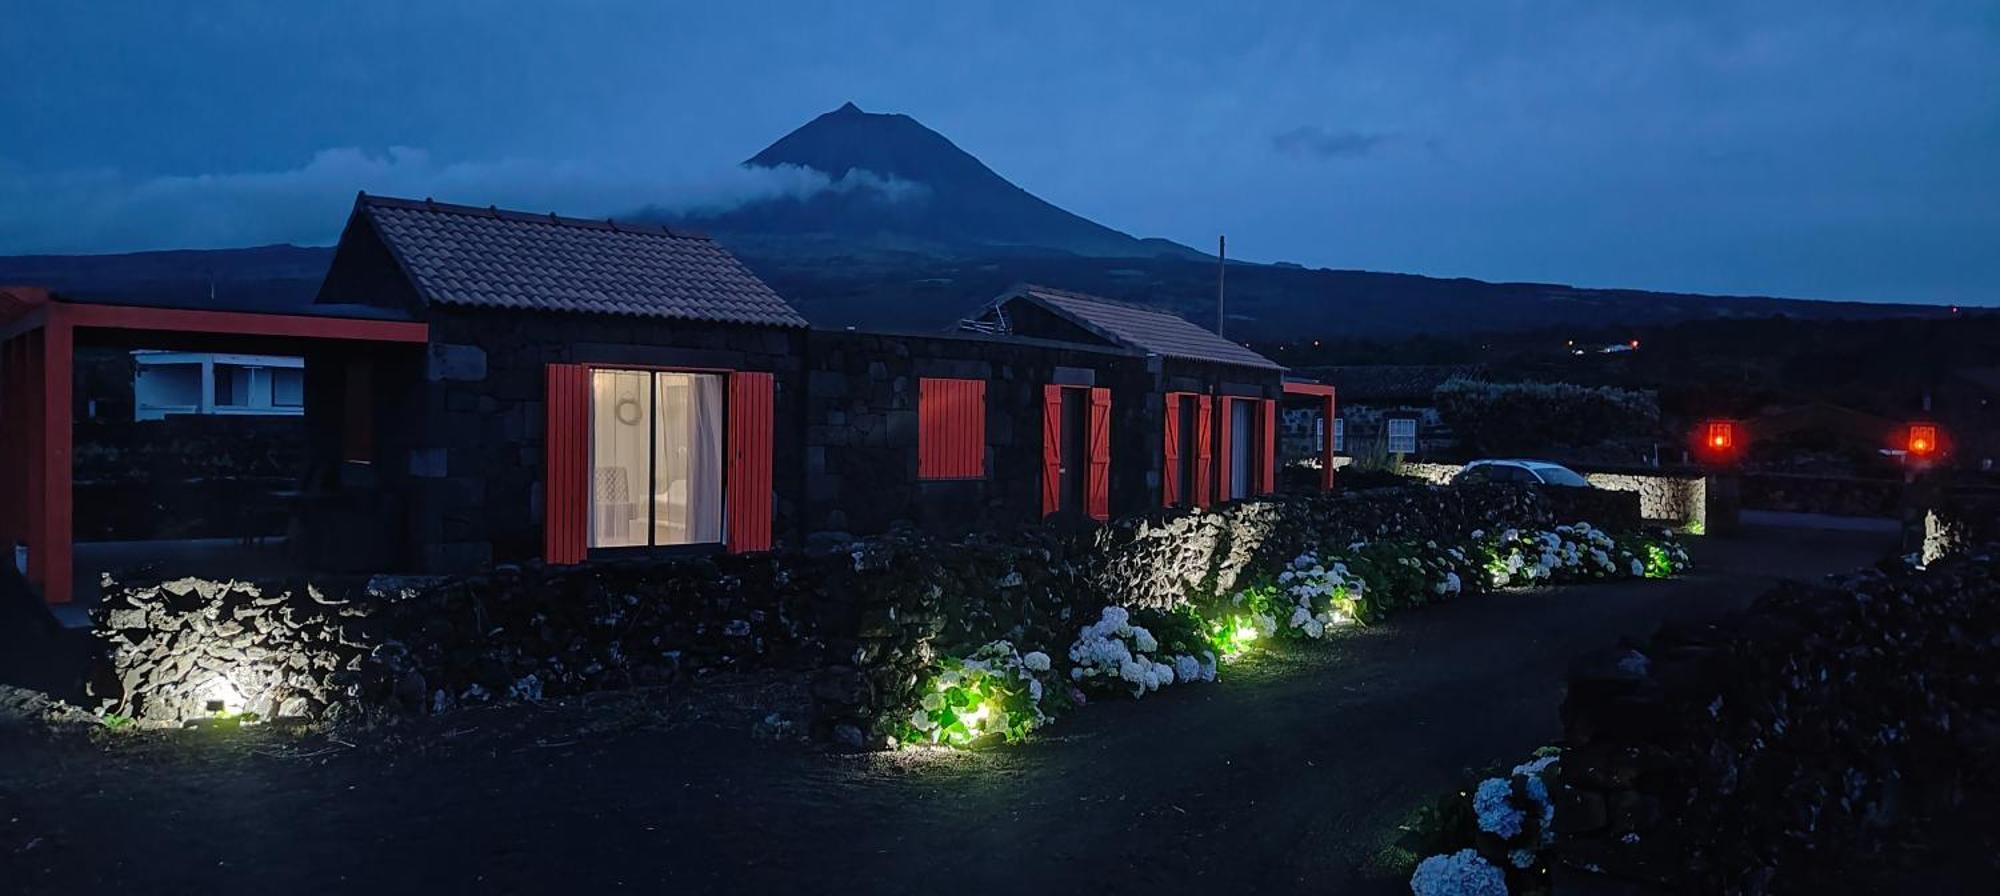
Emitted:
pixel 1561 476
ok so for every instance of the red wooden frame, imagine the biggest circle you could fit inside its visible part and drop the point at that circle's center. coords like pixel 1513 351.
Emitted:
pixel 1330 410
pixel 38 340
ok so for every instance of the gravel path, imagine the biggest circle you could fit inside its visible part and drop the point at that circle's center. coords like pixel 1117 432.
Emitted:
pixel 1287 776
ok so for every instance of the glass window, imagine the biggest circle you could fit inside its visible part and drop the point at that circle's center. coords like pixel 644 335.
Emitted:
pixel 1242 448
pixel 656 458
pixel 288 387
pixel 1402 436
pixel 1562 476
pixel 1339 436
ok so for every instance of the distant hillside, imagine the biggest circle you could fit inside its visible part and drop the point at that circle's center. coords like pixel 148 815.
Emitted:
pixel 912 232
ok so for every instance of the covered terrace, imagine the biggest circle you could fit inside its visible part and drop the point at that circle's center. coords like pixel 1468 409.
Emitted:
pixel 358 360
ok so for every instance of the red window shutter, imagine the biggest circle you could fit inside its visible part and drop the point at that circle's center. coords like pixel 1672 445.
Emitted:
pixel 566 446
pixel 951 428
pixel 1225 427
pixel 1204 446
pixel 1097 489
pixel 1170 469
pixel 1267 467
pixel 747 493
pixel 1051 449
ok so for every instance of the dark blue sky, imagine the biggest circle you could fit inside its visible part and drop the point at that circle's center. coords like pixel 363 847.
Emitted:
pixel 1817 148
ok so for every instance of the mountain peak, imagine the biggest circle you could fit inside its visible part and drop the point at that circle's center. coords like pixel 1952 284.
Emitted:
pixel 896 183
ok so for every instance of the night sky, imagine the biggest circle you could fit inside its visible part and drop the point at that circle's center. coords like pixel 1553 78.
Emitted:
pixel 1814 148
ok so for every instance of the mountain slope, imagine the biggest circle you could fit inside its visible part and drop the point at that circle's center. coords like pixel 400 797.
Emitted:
pixel 897 186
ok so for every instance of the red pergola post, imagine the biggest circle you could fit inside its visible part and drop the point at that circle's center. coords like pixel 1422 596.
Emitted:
pixel 1325 394
pixel 1326 447
pixel 39 375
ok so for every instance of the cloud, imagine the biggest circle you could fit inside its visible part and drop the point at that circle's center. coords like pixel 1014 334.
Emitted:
pixel 1313 141
pixel 106 210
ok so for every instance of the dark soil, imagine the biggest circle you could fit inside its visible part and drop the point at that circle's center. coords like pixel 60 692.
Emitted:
pixel 1289 775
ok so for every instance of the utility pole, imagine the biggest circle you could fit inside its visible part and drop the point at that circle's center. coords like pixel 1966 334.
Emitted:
pixel 1221 273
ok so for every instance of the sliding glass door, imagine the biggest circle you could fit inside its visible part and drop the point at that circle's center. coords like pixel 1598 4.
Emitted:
pixel 656 457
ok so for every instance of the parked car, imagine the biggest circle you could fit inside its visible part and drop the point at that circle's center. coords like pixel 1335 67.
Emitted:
pixel 1532 472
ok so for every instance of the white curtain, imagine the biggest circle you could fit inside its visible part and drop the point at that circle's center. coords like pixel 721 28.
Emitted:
pixel 687 471
pixel 621 422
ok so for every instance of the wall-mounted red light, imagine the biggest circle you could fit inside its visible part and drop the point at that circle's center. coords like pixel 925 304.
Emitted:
pixel 1923 441
pixel 1720 436
pixel 1635 344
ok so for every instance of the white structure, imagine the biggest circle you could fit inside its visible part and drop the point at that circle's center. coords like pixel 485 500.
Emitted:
pixel 169 383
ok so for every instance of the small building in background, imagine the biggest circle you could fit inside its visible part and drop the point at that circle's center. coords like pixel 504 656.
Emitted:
pixel 1384 410
pixel 170 383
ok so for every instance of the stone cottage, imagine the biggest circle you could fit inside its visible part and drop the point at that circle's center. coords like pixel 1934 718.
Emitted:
pixel 589 389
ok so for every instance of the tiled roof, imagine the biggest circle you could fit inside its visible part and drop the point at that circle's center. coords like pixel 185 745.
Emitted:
pixel 1152 330
pixel 492 258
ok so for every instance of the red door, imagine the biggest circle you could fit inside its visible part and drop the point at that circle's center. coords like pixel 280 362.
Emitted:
pixel 1097 488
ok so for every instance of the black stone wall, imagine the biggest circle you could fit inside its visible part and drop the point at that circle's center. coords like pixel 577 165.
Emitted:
pixel 861 422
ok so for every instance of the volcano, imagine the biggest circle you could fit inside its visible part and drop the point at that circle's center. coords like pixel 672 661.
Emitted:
pixel 893 185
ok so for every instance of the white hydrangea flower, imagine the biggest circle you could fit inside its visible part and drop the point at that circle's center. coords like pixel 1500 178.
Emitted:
pixel 1036 661
pixel 1143 640
pixel 1463 873
pixel 1187 668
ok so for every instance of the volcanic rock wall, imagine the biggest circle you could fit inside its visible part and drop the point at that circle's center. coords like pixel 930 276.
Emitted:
pixel 1825 723
pixel 867 616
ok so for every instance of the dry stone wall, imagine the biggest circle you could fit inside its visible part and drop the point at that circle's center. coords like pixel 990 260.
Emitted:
pixel 865 618
pixel 1790 748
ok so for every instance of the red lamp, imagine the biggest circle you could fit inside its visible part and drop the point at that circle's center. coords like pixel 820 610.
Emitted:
pixel 1923 440
pixel 1719 436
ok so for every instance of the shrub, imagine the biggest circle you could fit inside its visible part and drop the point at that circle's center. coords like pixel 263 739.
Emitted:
pixel 1492 838
pixel 996 691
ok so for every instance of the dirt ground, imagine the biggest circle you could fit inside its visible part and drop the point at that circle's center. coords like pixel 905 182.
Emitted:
pixel 1289 775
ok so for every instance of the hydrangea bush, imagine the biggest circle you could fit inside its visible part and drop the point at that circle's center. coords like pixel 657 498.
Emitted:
pixel 995 691
pixel 1494 838
pixel 1115 654
pixel 1577 553
pixel 1000 691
